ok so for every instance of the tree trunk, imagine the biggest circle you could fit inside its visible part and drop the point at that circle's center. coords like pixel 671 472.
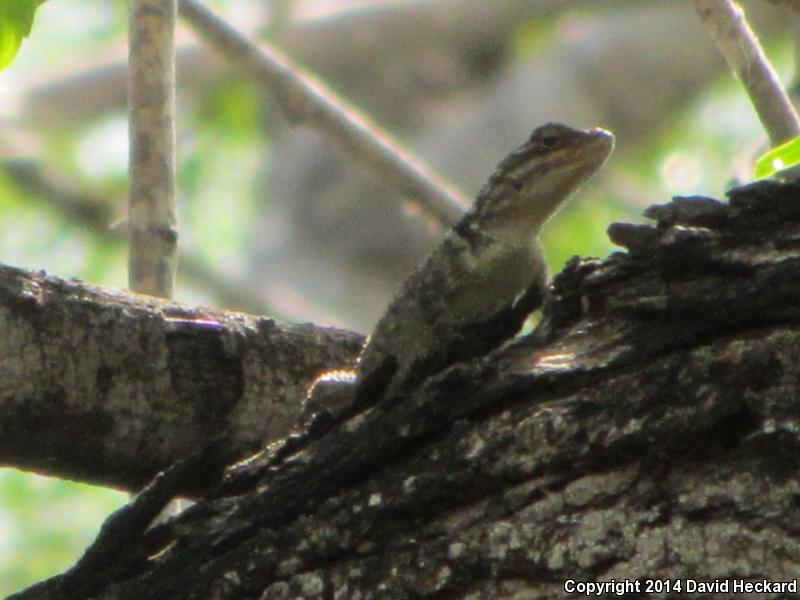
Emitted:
pixel 646 431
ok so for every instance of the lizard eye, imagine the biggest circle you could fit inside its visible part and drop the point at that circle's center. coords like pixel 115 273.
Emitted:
pixel 548 142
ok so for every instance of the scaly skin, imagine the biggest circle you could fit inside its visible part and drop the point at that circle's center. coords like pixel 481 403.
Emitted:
pixel 490 263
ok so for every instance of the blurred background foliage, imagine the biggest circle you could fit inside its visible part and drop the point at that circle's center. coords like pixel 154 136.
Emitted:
pixel 274 220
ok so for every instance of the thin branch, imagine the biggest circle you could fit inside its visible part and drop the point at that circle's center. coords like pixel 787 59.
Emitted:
pixel 305 98
pixel 92 86
pixel 152 212
pixel 726 23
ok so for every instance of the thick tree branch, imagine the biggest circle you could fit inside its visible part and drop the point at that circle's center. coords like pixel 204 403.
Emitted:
pixel 115 387
pixel 647 430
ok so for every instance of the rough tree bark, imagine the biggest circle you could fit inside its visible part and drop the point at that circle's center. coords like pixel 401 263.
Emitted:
pixel 648 429
pixel 114 387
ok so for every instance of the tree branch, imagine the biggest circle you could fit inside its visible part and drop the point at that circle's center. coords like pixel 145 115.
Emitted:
pixel 647 429
pixel 152 207
pixel 305 98
pixel 97 85
pixel 726 24
pixel 114 387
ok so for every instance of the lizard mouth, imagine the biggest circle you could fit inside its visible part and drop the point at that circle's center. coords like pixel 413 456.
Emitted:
pixel 603 138
pixel 592 147
pixel 602 132
pixel 579 148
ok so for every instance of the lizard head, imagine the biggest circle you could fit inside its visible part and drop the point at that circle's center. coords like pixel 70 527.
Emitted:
pixel 554 147
pixel 532 182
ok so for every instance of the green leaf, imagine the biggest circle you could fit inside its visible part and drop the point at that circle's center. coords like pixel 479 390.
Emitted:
pixel 779 158
pixel 16 20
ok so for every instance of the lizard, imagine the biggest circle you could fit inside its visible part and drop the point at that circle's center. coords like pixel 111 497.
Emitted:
pixel 471 294
pixel 477 287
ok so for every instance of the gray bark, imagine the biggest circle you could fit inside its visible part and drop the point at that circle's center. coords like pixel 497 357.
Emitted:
pixel 114 387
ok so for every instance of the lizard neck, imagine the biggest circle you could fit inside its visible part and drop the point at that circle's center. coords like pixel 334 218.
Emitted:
pixel 511 235
pixel 506 212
